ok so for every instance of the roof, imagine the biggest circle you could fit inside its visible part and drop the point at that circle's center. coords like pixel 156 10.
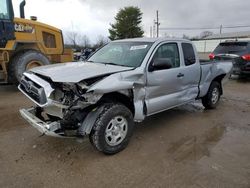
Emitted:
pixel 236 41
pixel 150 39
pixel 243 34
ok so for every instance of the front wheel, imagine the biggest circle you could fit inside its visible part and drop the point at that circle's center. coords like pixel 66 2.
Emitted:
pixel 211 100
pixel 23 62
pixel 112 129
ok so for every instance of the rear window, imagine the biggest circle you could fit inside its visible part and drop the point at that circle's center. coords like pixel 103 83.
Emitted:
pixel 231 47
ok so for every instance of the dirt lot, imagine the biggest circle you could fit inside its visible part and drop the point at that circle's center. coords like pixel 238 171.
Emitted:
pixel 184 147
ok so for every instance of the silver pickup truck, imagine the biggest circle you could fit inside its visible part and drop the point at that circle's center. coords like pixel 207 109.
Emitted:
pixel 122 83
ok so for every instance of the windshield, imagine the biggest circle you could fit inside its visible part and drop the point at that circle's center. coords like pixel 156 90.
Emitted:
pixel 130 54
pixel 231 47
pixel 4 10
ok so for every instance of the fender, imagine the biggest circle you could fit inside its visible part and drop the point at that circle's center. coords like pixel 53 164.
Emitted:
pixel 125 81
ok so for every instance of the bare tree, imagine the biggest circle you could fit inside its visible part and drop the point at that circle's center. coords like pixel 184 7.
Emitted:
pixel 72 38
pixel 101 41
pixel 84 41
pixel 77 39
pixel 205 34
pixel 185 36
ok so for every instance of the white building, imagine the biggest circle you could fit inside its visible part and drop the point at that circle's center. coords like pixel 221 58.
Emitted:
pixel 208 44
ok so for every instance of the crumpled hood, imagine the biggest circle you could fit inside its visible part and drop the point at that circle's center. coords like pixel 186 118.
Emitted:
pixel 76 72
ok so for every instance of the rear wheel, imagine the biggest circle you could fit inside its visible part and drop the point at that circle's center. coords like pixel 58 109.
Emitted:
pixel 112 129
pixel 211 100
pixel 23 62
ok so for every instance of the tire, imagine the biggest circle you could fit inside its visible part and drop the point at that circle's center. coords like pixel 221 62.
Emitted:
pixel 115 120
pixel 23 62
pixel 212 98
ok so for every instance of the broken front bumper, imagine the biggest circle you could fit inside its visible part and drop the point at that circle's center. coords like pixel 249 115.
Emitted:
pixel 43 127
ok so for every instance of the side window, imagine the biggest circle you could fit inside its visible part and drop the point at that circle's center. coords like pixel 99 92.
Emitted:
pixel 188 52
pixel 168 53
pixel 49 40
pixel 4 14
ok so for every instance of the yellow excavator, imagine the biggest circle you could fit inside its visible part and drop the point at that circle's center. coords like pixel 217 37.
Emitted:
pixel 27 43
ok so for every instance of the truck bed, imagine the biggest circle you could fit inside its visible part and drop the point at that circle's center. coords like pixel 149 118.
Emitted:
pixel 210 70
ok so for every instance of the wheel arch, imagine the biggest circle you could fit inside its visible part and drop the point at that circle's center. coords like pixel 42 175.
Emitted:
pixel 124 97
pixel 219 80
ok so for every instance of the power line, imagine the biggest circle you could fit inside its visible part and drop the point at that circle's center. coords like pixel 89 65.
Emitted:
pixel 239 26
pixel 203 28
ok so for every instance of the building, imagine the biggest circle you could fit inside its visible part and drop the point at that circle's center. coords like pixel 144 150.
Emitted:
pixel 209 43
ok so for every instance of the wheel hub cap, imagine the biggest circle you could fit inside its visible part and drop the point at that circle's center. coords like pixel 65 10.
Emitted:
pixel 215 95
pixel 116 130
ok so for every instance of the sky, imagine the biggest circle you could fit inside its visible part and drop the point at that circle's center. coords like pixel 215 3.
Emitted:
pixel 93 17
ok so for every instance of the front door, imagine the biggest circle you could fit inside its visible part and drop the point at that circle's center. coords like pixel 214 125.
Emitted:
pixel 6 22
pixel 164 86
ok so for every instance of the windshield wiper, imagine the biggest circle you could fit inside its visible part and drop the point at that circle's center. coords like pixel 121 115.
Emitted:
pixel 111 63
pixel 108 63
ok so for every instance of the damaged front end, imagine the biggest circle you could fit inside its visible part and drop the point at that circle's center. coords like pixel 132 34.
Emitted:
pixel 61 107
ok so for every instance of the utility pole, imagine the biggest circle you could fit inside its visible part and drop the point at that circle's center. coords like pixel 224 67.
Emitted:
pixel 157 23
pixel 154 29
pixel 151 32
pixel 220 29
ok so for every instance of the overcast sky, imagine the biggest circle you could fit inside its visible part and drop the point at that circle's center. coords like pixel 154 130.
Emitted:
pixel 93 17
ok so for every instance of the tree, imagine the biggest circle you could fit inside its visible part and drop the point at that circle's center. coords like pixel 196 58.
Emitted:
pixel 185 36
pixel 205 34
pixel 72 38
pixel 127 24
pixel 84 41
pixel 100 41
pixel 77 40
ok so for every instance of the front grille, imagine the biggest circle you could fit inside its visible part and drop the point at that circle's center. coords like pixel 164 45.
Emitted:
pixel 33 90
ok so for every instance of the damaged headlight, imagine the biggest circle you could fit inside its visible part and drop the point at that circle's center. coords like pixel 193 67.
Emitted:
pixel 82 87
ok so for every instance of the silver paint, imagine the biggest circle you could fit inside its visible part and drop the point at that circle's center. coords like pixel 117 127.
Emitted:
pixel 156 91
pixel 76 72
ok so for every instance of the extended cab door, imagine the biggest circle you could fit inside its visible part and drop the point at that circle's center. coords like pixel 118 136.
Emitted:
pixel 164 84
pixel 6 22
pixel 192 72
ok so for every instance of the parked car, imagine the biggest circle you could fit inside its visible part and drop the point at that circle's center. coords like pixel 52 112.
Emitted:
pixel 238 52
pixel 122 83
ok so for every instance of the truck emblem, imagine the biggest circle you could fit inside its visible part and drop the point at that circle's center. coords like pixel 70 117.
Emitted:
pixel 28 86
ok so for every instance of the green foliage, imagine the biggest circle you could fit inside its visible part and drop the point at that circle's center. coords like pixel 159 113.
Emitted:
pixel 127 24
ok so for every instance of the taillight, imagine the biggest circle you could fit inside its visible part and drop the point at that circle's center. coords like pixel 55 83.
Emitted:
pixel 246 57
pixel 211 56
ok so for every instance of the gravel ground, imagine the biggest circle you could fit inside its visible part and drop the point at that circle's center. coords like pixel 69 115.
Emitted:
pixel 183 147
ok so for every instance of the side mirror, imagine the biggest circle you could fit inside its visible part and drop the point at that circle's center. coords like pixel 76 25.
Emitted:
pixel 160 64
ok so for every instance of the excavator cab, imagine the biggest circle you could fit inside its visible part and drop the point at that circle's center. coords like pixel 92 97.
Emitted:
pixel 27 43
pixel 6 22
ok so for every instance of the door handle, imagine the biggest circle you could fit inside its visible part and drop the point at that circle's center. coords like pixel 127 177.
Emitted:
pixel 180 75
